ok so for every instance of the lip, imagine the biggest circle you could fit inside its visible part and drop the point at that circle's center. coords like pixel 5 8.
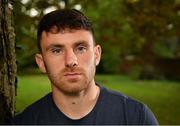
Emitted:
pixel 72 75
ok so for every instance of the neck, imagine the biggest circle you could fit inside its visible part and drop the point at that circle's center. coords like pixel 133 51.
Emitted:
pixel 76 106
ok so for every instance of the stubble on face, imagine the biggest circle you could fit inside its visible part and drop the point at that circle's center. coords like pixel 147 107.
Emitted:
pixel 86 67
pixel 72 86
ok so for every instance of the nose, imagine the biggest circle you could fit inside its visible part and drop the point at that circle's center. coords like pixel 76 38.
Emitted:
pixel 71 59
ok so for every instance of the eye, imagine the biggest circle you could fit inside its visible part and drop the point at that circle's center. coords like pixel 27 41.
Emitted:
pixel 56 50
pixel 81 49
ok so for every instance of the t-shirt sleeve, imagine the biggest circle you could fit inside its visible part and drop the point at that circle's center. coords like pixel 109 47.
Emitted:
pixel 148 117
pixel 21 119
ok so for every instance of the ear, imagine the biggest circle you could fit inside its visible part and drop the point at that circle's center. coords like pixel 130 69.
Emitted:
pixel 97 54
pixel 40 62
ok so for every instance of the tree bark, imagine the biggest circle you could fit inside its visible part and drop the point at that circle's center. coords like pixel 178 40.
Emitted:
pixel 7 61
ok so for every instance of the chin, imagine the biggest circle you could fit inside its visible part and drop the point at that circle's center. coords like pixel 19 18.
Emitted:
pixel 72 88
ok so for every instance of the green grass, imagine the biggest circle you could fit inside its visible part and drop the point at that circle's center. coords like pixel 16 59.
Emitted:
pixel 30 88
pixel 161 96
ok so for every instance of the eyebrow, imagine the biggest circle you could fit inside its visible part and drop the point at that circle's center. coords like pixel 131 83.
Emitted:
pixel 81 42
pixel 54 45
pixel 57 45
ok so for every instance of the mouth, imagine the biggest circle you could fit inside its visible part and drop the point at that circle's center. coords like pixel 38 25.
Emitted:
pixel 72 75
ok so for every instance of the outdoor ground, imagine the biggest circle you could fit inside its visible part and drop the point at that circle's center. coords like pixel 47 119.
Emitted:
pixel 163 97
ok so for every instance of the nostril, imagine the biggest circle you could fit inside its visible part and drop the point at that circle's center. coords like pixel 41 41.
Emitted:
pixel 72 64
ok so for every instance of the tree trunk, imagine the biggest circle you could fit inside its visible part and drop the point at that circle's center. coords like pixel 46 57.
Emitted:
pixel 7 61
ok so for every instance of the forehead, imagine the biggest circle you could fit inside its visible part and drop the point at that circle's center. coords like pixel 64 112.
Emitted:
pixel 67 36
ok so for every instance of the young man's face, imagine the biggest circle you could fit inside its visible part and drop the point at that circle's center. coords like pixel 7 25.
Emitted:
pixel 69 59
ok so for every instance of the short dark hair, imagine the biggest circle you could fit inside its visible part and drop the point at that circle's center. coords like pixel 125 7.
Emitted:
pixel 61 20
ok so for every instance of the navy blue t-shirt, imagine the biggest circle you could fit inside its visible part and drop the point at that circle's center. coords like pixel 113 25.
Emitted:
pixel 112 108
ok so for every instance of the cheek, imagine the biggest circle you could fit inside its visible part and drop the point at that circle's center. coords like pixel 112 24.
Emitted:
pixel 53 65
pixel 88 62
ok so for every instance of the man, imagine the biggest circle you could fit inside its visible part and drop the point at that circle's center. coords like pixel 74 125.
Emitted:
pixel 69 56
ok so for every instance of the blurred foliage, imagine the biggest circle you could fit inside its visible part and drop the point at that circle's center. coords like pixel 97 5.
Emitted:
pixel 167 47
pixel 142 29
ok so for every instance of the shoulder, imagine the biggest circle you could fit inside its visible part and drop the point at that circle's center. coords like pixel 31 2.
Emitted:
pixel 121 98
pixel 31 112
pixel 134 111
